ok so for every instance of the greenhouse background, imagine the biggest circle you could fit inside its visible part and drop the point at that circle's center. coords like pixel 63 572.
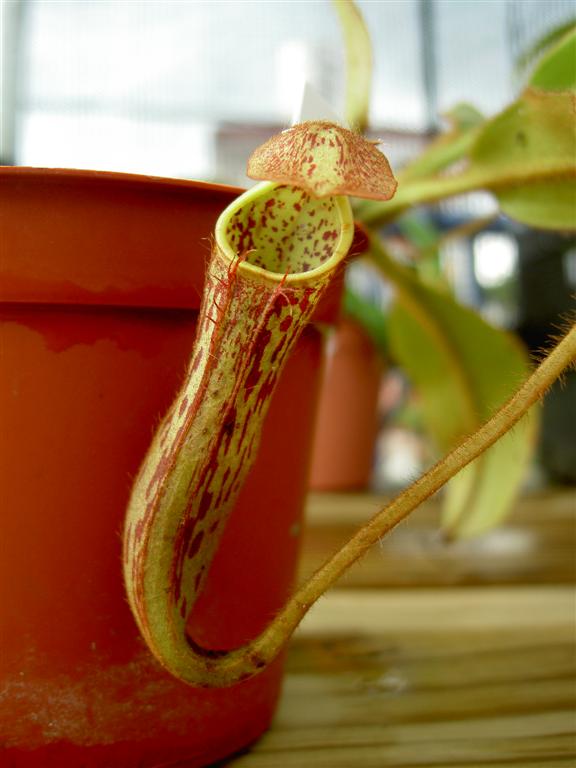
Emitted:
pixel 167 87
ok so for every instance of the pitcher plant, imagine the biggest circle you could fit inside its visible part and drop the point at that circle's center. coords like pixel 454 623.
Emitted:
pixel 276 249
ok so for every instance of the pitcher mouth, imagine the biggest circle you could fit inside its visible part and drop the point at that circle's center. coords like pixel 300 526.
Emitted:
pixel 284 234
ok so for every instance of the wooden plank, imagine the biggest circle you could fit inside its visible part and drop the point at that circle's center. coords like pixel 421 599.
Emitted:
pixel 545 739
pixel 443 664
pixel 481 610
pixel 351 705
pixel 473 665
pixel 453 677
pixel 438 755
pixel 540 726
pixel 536 546
pixel 537 508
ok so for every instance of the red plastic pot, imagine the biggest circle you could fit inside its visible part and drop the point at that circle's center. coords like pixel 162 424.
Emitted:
pixel 347 419
pixel 100 280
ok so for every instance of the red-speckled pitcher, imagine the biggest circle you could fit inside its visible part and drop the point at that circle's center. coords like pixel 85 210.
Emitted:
pixel 100 280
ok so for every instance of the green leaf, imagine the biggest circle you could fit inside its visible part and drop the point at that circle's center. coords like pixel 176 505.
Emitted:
pixel 464 116
pixel 449 147
pixel 358 64
pixel 420 231
pixel 463 369
pixel 370 316
pixel 536 134
pixel 545 205
pixel 556 71
pixel 536 50
pixel 531 144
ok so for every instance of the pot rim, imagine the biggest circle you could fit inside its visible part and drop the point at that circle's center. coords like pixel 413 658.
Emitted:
pixel 28 171
pixel 133 241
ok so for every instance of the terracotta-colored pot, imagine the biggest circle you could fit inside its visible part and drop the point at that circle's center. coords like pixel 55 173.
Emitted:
pixel 347 419
pixel 100 280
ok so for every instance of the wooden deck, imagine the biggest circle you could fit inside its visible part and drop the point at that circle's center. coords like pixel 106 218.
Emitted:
pixel 433 654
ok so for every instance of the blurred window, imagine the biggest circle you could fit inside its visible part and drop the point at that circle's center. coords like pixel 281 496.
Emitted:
pixel 161 86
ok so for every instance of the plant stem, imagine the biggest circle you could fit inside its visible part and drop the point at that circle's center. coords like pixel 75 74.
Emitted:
pixel 222 668
pixel 272 640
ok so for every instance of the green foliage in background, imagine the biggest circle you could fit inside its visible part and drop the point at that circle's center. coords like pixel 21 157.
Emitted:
pixel 462 367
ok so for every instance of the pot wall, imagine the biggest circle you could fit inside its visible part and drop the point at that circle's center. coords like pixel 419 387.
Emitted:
pixel 81 390
pixel 347 419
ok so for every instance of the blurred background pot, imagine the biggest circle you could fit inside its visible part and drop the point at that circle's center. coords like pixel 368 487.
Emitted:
pixel 347 419
pixel 101 277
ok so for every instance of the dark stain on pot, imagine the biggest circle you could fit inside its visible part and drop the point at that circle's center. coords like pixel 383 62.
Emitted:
pixel 130 329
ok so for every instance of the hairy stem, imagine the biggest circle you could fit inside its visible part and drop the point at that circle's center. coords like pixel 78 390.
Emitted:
pixel 275 636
